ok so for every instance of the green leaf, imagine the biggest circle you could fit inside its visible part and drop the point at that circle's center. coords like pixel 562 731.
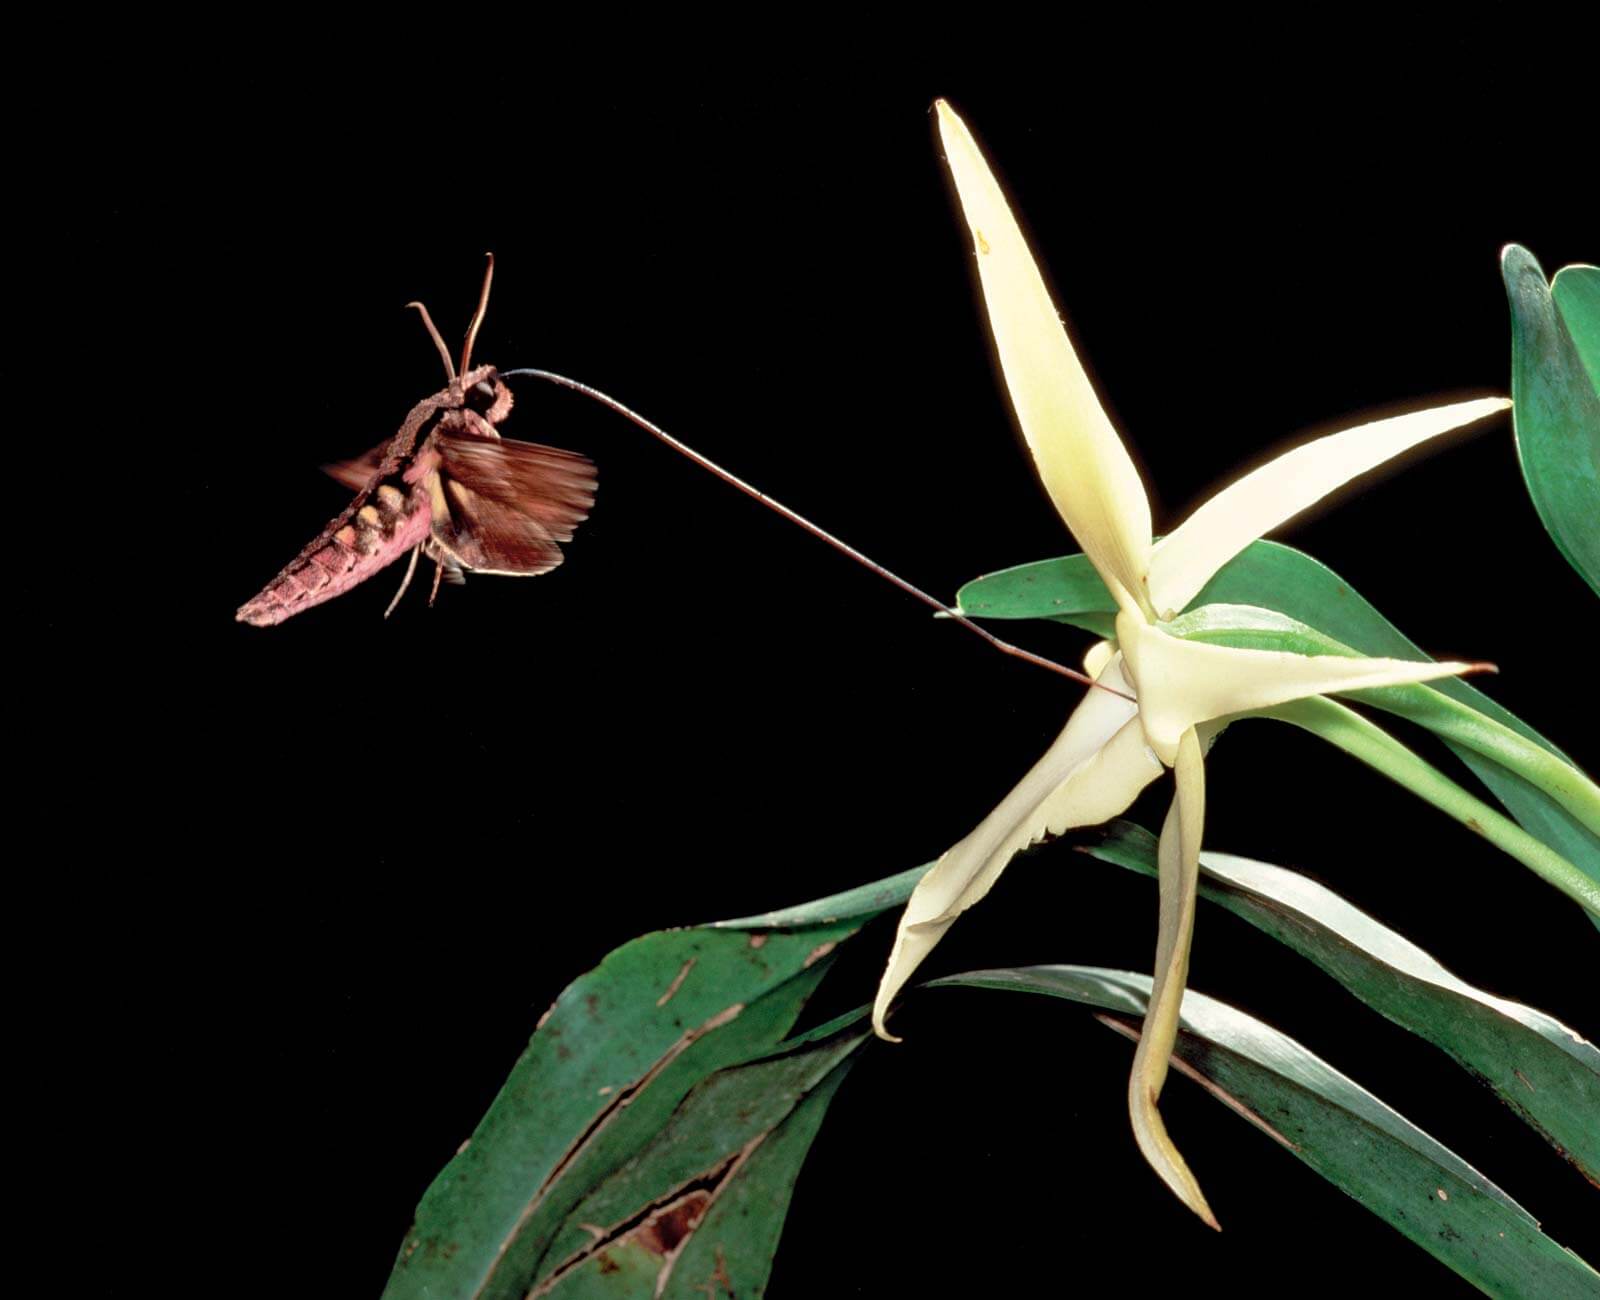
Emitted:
pixel 1360 737
pixel 739 1236
pixel 604 1073
pixel 1283 579
pixel 1543 1070
pixel 1556 411
pixel 1338 1128
pixel 1064 590
pixel 702 1204
pixel 859 904
pixel 1576 290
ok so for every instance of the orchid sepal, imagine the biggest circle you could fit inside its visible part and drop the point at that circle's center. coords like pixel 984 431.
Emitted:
pixel 1180 683
pixel 1094 771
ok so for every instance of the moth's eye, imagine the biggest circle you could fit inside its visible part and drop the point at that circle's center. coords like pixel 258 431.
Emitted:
pixel 484 391
pixel 480 397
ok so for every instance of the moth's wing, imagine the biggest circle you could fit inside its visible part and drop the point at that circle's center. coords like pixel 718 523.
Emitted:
pixel 554 486
pixel 508 503
pixel 356 474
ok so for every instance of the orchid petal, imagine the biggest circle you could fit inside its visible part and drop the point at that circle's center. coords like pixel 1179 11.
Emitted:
pixel 1079 456
pixel 1187 558
pixel 1093 772
pixel 1097 656
pixel 1179 863
pixel 1181 683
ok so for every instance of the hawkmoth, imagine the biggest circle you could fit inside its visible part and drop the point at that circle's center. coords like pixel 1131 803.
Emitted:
pixel 446 486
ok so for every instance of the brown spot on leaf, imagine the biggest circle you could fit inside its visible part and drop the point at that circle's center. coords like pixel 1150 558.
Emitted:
pixel 607 1264
pixel 661 1233
pixel 1474 825
pixel 719 1279
pixel 819 952
pixel 756 940
pixel 661 1228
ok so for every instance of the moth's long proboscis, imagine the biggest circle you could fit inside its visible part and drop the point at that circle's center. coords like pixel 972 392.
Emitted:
pixel 794 517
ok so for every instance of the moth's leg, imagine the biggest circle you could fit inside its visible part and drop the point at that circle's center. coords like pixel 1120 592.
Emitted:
pixel 438 572
pixel 405 581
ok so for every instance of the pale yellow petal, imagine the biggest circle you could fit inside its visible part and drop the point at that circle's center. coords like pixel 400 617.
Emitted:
pixel 1097 656
pixel 1179 862
pixel 1093 771
pixel 1187 558
pixel 1181 683
pixel 1080 458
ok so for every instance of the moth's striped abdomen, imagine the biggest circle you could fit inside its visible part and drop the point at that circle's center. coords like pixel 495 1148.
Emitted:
pixel 377 529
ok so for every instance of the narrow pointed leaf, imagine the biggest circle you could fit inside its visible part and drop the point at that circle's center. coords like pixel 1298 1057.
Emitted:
pixel 1546 1072
pixel 1556 414
pixel 1338 1128
pixel 606 1068
pixel 1093 771
pixel 860 904
pixel 1080 457
pixel 1281 578
pixel 1266 498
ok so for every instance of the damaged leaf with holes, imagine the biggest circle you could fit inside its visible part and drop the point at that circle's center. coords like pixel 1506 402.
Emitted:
pixel 699 1209
pixel 568 1139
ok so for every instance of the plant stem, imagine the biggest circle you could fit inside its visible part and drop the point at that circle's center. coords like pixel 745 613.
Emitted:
pixel 1451 720
pixel 1367 741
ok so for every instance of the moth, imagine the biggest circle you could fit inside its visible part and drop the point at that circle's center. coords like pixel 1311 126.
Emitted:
pixel 446 486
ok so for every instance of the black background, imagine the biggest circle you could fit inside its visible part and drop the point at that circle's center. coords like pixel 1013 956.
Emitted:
pixel 338 868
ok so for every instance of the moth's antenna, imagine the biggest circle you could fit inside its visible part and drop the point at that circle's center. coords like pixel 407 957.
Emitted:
pixel 844 548
pixel 438 342
pixel 477 317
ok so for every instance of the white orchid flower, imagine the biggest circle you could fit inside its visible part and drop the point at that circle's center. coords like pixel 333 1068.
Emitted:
pixel 1174 694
